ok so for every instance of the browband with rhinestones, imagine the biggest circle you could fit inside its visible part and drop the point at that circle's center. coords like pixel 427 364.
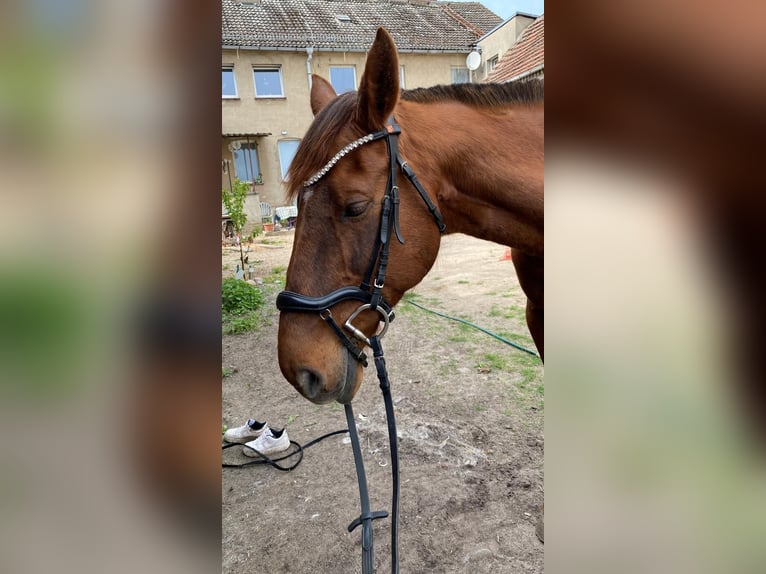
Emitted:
pixel 346 150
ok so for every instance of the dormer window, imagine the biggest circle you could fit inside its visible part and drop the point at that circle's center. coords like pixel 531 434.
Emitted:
pixel 343 18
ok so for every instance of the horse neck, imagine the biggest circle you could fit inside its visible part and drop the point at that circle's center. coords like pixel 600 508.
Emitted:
pixel 483 168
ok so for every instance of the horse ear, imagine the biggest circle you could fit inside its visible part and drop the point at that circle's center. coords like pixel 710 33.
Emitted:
pixel 379 88
pixel 322 93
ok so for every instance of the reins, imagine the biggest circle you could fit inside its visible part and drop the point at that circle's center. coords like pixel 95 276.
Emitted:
pixel 369 293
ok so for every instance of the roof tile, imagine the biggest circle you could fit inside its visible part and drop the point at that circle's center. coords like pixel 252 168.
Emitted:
pixel 414 24
pixel 524 56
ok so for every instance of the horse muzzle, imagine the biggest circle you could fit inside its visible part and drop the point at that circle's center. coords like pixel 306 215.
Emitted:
pixel 314 386
pixel 319 378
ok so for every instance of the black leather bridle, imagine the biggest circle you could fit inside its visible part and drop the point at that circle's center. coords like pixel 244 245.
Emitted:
pixel 369 294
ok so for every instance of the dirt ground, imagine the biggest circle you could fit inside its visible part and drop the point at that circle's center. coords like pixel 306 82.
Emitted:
pixel 470 421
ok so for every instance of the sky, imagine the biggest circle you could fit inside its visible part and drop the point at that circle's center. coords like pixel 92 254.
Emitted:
pixel 507 8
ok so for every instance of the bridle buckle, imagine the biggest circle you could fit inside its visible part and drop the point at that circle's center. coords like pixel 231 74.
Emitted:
pixel 359 335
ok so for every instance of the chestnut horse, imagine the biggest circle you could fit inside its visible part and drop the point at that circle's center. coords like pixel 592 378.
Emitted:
pixel 478 152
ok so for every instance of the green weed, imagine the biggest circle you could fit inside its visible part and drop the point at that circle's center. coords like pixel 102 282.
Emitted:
pixel 235 324
pixel 239 297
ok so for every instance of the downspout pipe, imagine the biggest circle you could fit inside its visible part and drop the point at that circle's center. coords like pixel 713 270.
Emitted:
pixel 309 56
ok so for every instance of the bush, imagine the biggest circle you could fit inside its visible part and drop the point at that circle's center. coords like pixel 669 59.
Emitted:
pixel 238 297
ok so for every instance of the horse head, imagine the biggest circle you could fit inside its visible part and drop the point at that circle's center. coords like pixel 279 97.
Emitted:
pixel 339 223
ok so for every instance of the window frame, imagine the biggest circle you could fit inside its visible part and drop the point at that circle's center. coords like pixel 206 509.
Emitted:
pixel 344 67
pixel 401 77
pixel 256 179
pixel 269 68
pixel 492 63
pixel 229 67
pixel 282 169
pixel 454 69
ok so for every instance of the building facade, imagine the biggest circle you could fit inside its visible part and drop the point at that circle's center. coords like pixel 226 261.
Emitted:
pixel 496 43
pixel 525 59
pixel 271 48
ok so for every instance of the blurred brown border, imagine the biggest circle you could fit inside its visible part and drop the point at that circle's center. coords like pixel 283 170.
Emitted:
pixel 678 86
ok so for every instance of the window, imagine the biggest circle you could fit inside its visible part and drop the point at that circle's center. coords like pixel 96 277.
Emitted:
pixel 343 78
pixel 268 82
pixel 491 64
pixel 461 75
pixel 287 149
pixel 228 83
pixel 401 77
pixel 246 166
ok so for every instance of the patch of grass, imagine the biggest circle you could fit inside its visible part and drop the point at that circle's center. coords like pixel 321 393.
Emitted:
pixel 479 407
pixel 278 276
pixel 226 372
pixel 291 419
pixel 461 338
pixel 529 374
pixel 466 334
pixel 517 312
pixel 493 361
pixel 520 337
pixel 446 368
pixel 463 282
pixel 224 428
pixel 529 384
pixel 419 299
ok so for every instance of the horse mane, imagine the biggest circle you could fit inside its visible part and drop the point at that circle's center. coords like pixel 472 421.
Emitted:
pixel 316 148
pixel 480 95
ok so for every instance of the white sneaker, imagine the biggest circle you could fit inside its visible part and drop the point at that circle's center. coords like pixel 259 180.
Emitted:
pixel 251 430
pixel 267 443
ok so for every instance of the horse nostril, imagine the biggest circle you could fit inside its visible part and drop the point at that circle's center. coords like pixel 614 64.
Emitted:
pixel 311 383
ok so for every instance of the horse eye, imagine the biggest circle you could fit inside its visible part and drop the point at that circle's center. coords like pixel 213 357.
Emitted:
pixel 355 209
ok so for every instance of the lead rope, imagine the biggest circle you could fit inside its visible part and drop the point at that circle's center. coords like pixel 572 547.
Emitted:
pixel 389 225
pixel 385 388
pixel 366 517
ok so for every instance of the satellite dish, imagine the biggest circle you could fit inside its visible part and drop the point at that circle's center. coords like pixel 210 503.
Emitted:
pixel 473 61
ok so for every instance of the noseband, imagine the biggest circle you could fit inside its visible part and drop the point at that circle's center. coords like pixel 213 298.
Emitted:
pixel 369 294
